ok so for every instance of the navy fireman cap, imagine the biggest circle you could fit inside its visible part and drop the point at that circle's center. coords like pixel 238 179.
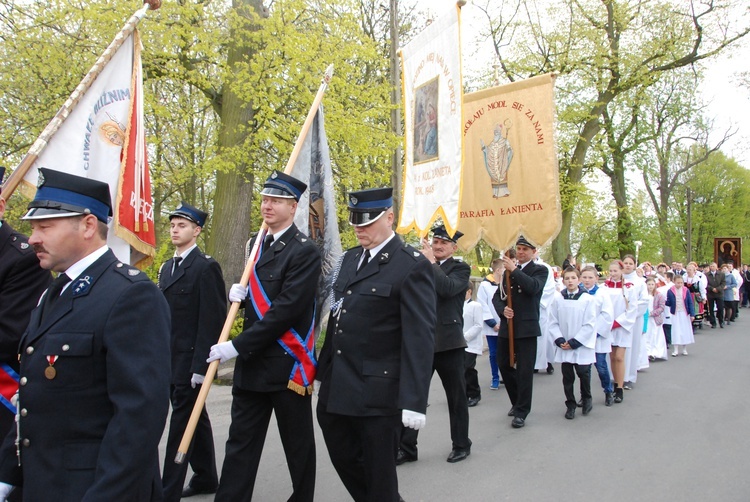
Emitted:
pixel 522 241
pixel 192 213
pixel 366 206
pixel 62 195
pixel 284 186
pixel 441 233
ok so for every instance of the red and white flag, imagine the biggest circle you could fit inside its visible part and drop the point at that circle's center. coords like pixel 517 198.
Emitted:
pixel 103 138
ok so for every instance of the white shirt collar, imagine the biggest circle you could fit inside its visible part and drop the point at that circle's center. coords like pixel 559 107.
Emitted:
pixel 78 267
pixel 278 234
pixel 374 251
pixel 185 253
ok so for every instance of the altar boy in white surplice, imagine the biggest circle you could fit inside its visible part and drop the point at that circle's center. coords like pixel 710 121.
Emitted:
pixel 572 328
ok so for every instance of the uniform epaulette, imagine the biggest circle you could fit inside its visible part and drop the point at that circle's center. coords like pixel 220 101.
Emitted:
pixel 20 243
pixel 130 272
pixel 411 251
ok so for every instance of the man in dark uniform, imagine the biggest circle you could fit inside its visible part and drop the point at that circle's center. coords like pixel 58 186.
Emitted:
pixel 22 282
pixel 276 367
pixel 527 281
pixel 375 364
pixel 451 277
pixel 94 388
pixel 194 288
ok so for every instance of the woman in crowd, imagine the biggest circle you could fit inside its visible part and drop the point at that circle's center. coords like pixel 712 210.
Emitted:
pixel 729 287
pixel 696 283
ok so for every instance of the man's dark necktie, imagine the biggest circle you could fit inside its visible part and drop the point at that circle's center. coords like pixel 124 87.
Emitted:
pixel 364 260
pixel 53 293
pixel 176 263
pixel 267 242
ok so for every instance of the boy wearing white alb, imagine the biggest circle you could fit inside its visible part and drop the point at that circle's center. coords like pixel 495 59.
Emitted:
pixel 572 327
pixel 474 344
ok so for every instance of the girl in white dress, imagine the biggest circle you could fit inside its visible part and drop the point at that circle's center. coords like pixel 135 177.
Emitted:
pixel 624 298
pixel 656 344
pixel 681 306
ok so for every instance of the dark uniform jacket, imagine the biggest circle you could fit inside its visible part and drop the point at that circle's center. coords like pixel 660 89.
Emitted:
pixel 289 272
pixel 92 432
pixel 451 281
pixel 22 282
pixel 527 285
pixel 198 305
pixel 377 355
pixel 717 281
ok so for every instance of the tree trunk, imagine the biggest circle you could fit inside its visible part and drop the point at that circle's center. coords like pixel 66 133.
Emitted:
pixel 234 189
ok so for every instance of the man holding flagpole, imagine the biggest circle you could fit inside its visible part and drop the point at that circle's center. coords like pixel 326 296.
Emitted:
pixel 276 368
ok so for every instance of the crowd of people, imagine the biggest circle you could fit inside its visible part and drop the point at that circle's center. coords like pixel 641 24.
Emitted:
pixel 92 360
pixel 620 323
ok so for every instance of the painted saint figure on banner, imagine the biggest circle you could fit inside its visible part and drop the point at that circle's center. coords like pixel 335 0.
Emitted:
pixel 425 138
pixel 497 157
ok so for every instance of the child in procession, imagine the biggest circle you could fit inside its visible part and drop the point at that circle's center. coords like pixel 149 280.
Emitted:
pixel 572 327
pixel 604 318
pixel 624 297
pixel 681 306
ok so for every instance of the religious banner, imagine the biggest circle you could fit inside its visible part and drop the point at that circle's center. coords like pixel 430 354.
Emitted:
pixel 432 95
pixel 103 139
pixel 728 250
pixel 510 182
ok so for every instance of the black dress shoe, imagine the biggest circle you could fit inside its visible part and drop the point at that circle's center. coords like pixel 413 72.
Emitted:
pixel 518 422
pixel 609 398
pixel 512 412
pixel 473 401
pixel 550 368
pixel 402 457
pixel 189 491
pixel 570 414
pixel 587 406
pixel 458 455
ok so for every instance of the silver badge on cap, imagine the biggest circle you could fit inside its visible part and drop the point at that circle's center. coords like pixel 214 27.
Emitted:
pixel 40 180
pixel 274 175
pixel 353 200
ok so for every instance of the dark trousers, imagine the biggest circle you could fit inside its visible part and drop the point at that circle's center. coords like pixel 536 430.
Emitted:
pixel 251 412
pixel 735 310
pixel 471 376
pixel 363 452
pixel 449 365
pixel 200 454
pixel 746 293
pixel 667 333
pixel 718 304
pixel 569 371
pixel 519 381
pixel 728 310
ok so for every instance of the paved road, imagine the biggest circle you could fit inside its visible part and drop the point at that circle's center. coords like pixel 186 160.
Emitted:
pixel 682 434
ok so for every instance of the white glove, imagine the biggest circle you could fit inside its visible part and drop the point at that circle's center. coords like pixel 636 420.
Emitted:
pixel 316 387
pixel 223 352
pixel 197 380
pixel 413 420
pixel 5 490
pixel 237 293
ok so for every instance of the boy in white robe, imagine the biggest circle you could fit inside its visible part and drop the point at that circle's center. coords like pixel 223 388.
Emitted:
pixel 474 345
pixel 572 327
pixel 604 318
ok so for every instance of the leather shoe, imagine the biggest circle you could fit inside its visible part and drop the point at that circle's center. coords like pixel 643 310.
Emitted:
pixel 473 401
pixel 570 414
pixel 402 457
pixel 550 369
pixel 457 455
pixel 609 398
pixel 189 491
pixel 512 412
pixel 588 405
pixel 518 422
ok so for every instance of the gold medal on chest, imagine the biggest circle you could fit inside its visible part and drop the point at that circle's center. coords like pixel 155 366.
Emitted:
pixel 50 372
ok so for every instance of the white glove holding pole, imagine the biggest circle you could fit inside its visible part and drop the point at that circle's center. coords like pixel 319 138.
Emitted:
pixel 223 352
pixel 197 380
pixel 316 387
pixel 413 420
pixel 237 293
pixel 5 490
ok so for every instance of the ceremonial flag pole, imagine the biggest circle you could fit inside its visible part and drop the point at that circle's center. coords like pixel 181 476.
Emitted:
pixel 234 309
pixel 511 348
pixel 41 142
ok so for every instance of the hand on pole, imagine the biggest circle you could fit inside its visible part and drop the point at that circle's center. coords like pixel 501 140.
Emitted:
pixel 237 293
pixel 222 352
